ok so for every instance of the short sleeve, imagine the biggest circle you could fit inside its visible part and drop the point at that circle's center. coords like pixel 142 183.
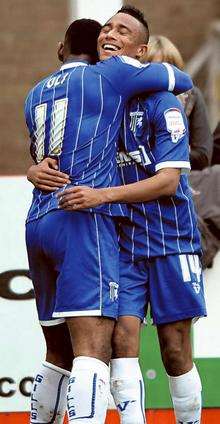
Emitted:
pixel 171 134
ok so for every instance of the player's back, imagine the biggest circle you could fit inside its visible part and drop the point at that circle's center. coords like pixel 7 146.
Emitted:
pixel 74 115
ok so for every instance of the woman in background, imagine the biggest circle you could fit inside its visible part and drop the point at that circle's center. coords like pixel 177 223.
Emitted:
pixel 161 49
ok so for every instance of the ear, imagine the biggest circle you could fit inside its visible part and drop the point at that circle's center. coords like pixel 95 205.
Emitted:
pixel 142 52
pixel 60 51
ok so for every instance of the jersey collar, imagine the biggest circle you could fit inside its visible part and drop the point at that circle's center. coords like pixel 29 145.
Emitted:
pixel 73 64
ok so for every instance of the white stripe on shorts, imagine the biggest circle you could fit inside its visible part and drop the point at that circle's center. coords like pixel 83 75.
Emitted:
pixel 52 322
pixel 89 313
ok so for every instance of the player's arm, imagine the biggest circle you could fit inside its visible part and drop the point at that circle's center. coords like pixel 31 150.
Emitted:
pixel 164 183
pixel 130 77
pixel 158 77
pixel 45 176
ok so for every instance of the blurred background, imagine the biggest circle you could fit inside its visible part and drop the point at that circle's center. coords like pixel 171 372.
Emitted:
pixel 30 31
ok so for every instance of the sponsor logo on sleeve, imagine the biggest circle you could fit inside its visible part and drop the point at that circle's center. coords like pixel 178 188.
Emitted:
pixel 175 124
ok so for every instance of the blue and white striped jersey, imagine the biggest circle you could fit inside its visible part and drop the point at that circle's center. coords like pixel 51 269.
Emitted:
pixel 75 115
pixel 155 135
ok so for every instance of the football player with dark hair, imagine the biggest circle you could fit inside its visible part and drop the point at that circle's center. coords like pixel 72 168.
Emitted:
pixel 74 115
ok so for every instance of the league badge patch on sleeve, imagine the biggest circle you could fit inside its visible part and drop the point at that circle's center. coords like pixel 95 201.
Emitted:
pixel 175 124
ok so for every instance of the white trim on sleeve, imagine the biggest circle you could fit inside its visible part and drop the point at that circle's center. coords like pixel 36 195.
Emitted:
pixel 184 165
pixel 133 62
pixel 171 76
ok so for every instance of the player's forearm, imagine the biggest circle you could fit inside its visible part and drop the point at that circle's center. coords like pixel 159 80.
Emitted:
pixel 183 82
pixel 143 191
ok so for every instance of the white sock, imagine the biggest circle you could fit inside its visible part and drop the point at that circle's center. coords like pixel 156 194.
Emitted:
pixel 127 389
pixel 48 398
pixel 88 390
pixel 186 396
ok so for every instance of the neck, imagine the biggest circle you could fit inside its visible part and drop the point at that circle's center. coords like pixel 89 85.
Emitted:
pixel 79 58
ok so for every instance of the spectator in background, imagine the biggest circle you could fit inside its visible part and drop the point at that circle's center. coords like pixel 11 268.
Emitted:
pixel 216 147
pixel 161 49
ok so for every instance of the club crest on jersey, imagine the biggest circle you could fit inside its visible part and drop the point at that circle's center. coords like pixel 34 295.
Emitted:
pixel 196 287
pixel 175 124
pixel 113 291
pixel 136 120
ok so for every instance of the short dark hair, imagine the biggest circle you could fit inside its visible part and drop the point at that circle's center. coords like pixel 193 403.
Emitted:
pixel 137 14
pixel 81 37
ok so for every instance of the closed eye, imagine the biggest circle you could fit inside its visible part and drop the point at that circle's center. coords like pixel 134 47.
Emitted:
pixel 106 28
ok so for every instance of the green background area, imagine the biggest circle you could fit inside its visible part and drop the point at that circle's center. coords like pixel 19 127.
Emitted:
pixel 157 391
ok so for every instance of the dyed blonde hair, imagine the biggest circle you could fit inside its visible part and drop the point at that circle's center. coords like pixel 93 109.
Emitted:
pixel 162 47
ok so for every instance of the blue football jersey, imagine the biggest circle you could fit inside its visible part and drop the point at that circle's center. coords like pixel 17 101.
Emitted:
pixel 75 114
pixel 155 136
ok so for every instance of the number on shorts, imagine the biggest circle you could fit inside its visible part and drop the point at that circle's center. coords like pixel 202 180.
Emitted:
pixel 190 263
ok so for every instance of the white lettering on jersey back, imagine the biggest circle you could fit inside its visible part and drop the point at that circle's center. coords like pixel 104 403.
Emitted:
pixel 55 81
pixel 175 124
pixel 133 62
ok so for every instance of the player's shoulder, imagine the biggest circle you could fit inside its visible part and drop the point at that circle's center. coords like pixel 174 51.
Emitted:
pixel 119 61
pixel 37 87
pixel 131 61
pixel 163 96
pixel 161 101
pixel 42 83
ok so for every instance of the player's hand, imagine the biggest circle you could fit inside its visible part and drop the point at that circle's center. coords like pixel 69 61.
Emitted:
pixel 80 197
pixel 45 176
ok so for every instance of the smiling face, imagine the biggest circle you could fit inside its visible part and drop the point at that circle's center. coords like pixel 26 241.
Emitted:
pixel 122 35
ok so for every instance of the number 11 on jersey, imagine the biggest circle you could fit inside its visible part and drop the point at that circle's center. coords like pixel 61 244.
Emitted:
pixel 57 128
